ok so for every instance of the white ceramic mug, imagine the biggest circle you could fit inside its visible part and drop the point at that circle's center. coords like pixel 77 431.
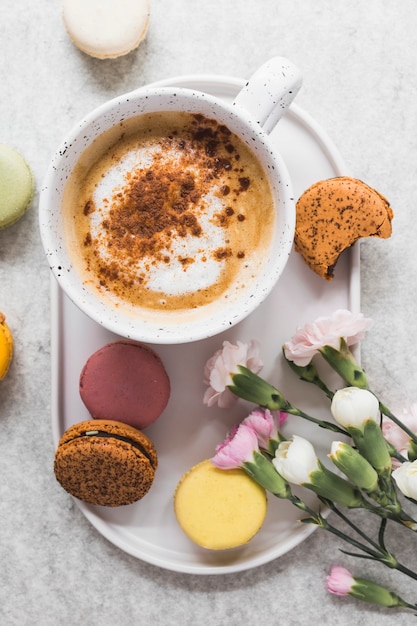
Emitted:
pixel 253 114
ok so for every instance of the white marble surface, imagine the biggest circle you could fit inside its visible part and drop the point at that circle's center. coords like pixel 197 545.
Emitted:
pixel 360 84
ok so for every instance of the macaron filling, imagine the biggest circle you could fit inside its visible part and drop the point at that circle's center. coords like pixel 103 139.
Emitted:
pixel 102 433
pixel 108 464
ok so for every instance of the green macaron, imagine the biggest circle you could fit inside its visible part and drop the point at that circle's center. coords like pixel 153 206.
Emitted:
pixel 17 186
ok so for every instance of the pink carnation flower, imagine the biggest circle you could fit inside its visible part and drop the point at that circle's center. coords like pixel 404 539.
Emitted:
pixel 222 365
pixel 396 435
pixel 237 448
pixel 326 331
pixel 340 581
pixel 266 424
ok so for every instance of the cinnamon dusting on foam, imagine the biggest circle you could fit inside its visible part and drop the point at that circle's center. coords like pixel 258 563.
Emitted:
pixel 171 215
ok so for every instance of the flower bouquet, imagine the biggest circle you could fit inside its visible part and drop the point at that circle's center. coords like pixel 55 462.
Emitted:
pixel 373 457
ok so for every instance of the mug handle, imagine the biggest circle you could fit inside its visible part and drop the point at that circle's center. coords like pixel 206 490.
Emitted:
pixel 270 91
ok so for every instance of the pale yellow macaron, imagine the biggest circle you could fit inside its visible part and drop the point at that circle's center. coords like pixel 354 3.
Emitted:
pixel 219 509
pixel 6 346
pixel 106 29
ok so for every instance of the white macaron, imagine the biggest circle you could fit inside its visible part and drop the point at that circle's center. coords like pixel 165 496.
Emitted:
pixel 106 29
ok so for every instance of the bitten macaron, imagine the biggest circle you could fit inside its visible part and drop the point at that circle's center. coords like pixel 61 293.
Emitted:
pixel 17 186
pixel 332 215
pixel 105 462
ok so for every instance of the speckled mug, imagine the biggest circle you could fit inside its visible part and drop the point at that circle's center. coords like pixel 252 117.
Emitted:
pixel 253 114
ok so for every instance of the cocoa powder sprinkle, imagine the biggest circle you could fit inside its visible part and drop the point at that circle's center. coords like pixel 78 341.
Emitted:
pixel 157 204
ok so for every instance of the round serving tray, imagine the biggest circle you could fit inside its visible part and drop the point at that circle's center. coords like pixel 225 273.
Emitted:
pixel 187 432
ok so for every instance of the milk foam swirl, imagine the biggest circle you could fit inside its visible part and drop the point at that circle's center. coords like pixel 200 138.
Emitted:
pixel 174 214
pixel 175 277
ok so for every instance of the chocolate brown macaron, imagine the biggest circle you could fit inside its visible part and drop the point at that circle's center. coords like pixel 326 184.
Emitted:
pixel 105 462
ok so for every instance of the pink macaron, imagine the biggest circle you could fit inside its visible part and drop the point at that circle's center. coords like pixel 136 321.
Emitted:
pixel 127 382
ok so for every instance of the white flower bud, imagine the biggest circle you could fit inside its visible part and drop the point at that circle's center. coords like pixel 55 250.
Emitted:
pixel 352 407
pixel 295 460
pixel 337 447
pixel 406 478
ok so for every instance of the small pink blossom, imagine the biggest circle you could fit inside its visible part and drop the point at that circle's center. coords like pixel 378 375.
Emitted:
pixel 238 448
pixel 282 418
pixel 266 424
pixel 396 435
pixel 326 331
pixel 220 368
pixel 340 581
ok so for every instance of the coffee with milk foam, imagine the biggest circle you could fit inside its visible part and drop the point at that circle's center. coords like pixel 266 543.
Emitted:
pixel 172 214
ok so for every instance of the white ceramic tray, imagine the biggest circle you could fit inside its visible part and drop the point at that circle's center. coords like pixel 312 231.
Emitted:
pixel 187 431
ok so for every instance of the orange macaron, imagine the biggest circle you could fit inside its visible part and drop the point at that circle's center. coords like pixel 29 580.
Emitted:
pixel 332 215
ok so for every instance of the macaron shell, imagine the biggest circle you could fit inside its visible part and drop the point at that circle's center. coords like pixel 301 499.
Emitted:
pixel 332 215
pixel 6 346
pixel 112 427
pixel 104 470
pixel 106 29
pixel 126 382
pixel 16 186
pixel 219 509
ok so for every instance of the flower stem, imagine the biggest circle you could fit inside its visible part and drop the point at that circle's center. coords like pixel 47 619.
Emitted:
pixel 379 554
pixel 347 521
pixel 319 383
pixel 384 557
pixel 381 547
pixel 376 552
pixel 405 570
pixel 394 512
pixel 385 411
pixel 250 386
pixel 397 455
pixel 292 410
pixel 309 374
pixel 319 520
pixel 381 534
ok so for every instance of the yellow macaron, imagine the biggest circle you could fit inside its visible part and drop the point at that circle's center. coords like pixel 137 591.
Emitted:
pixel 219 509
